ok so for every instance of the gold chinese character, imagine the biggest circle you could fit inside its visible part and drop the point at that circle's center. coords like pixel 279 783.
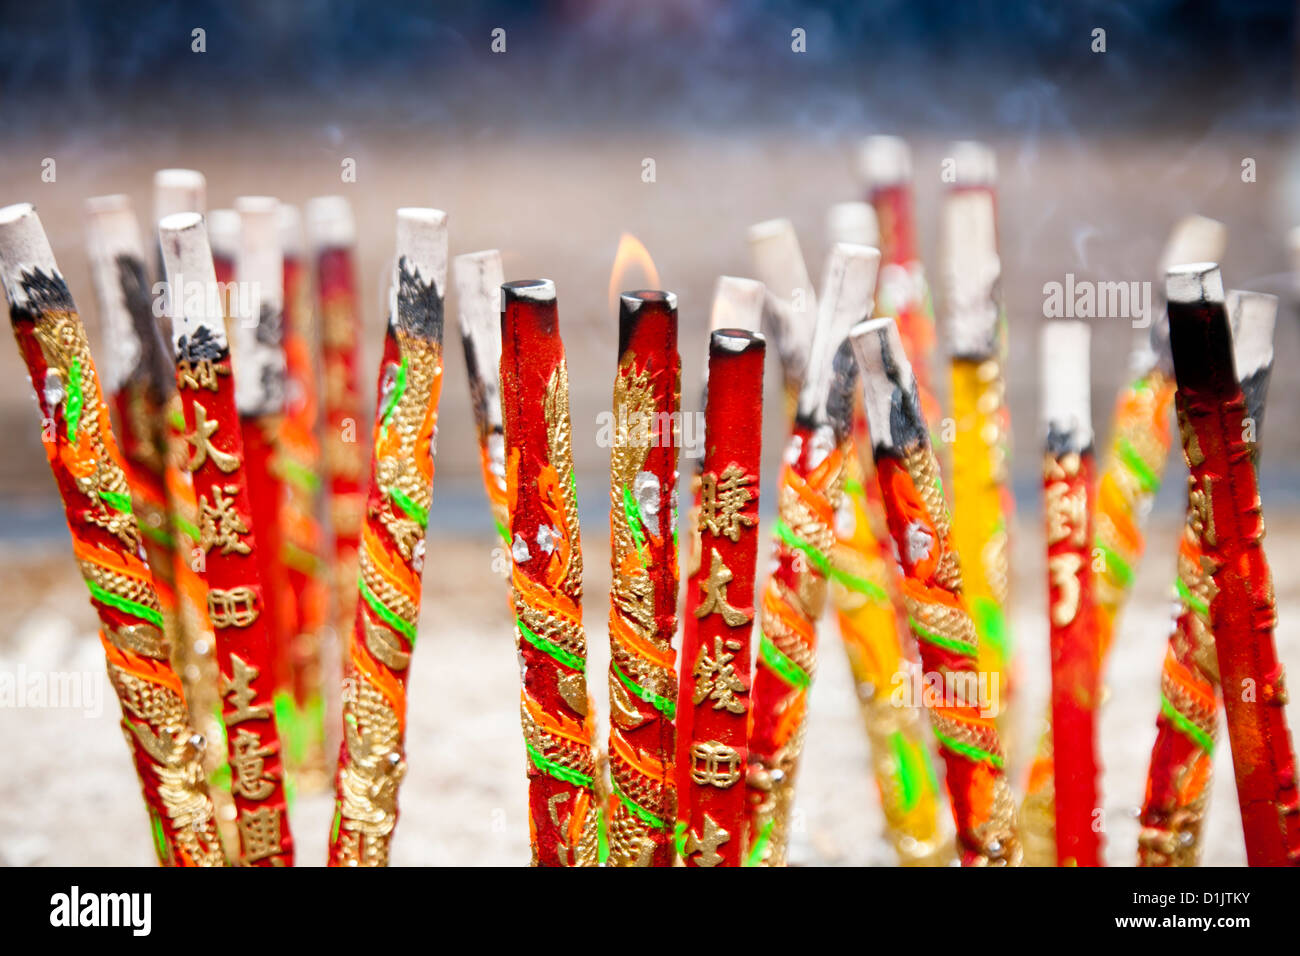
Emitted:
pixel 199 373
pixel 220 523
pixel 248 764
pixel 714 764
pixel 235 607
pixel 201 440
pixel 1067 513
pixel 716 678
pixel 715 595
pixel 259 834
pixel 723 502
pixel 1064 572
pixel 707 844
pixel 241 694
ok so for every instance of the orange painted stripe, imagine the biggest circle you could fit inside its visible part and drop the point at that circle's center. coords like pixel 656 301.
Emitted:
pixel 643 763
pixel 381 677
pixel 118 561
pixel 392 570
pixel 155 672
pixel 622 631
pixel 556 724
pixel 1190 681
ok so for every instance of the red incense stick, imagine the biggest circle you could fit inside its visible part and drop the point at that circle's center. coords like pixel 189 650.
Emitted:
pixel 1224 496
pixel 716 669
pixel 245 655
pixel 547 577
pixel 1068 491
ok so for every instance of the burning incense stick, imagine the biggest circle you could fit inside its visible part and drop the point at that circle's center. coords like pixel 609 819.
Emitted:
pixel 885 164
pixel 1225 498
pixel 479 277
pixel 1178 781
pixel 981 497
pixel 919 525
pixel 307 596
pixel 811 488
pixel 141 382
pixel 791 310
pixel 1068 473
pixel 332 235
pixel 372 760
pixel 547 577
pixel 643 600
pixel 227 543
pixel 714 697
pixel 737 305
pixel 1141 435
pixel 91 477
pixel 258 332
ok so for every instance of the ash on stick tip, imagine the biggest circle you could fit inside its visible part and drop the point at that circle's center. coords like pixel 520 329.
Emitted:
pixel 1194 282
pixel 770 229
pixel 874 340
pixel 180 222
pixel 1194 238
pixel 737 303
pixel 16 213
pixel 974 163
pixel 530 290
pixel 178 190
pixel 329 222
pixel 631 302
pixel 1254 316
pixel 263 205
pixel 736 341
pixel 289 220
pixel 854 222
pixel 1067 385
pixel 223 232
pixel 103 205
pixel 179 179
pixel 885 161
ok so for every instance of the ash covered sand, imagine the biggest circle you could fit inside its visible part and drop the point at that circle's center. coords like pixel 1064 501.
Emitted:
pixel 68 795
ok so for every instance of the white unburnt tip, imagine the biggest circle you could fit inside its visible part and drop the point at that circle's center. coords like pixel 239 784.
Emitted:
pixel 422 241
pixel 223 232
pixel 974 163
pixel 1194 238
pixel 1254 317
pixel 1067 383
pixel 23 247
pixel 178 190
pixel 329 223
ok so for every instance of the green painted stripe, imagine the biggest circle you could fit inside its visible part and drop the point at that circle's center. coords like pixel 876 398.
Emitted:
pixel 413 511
pixel 567 658
pixel 909 774
pixel 300 560
pixel 556 770
pixel 390 617
pixel 854 487
pixel 661 704
pixel 160 838
pixel 125 605
pixel 938 640
pixel 1147 478
pixel 118 502
pixel 781 664
pixel 1190 599
pixel 634 522
pixel 187 528
pixel 399 388
pixel 679 838
pixel 827 569
pixel 158 534
pixel 338 822
pixel 759 846
pixel 501 530
pixel 1185 726
pixel 991 626
pixel 637 810
pixel 300 475
pixel 75 400
pixel 602 836
pixel 1116 566
pixel 969 751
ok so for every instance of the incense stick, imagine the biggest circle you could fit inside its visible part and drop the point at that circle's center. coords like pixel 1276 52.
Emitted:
pixel 372 759
pixel 1068 472
pixel 919 525
pixel 643 599
pixel 1181 767
pixel 479 277
pixel 811 488
pixel 228 546
pixel 547 578
pixel 713 701
pixel 90 474
pixel 1225 497
pixel 332 236
pixel 791 309
pixel 302 538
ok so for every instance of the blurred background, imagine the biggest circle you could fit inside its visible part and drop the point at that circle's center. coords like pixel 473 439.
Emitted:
pixel 539 151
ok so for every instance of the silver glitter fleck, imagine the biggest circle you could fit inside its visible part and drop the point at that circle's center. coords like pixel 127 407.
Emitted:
pixel 645 489
pixel 54 391
pixel 546 538
pixel 519 549
pixel 919 542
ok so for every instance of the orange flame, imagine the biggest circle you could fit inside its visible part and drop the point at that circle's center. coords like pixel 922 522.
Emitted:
pixel 631 255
